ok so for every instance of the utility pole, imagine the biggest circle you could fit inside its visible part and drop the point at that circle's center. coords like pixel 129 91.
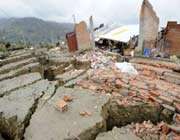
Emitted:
pixel 91 25
pixel 74 18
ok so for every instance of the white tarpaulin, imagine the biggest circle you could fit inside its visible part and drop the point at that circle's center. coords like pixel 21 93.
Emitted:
pixel 126 68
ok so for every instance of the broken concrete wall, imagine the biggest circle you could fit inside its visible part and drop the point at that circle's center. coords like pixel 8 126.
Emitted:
pixel 149 24
pixel 83 37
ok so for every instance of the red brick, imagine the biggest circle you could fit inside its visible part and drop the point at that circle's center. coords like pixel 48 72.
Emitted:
pixel 62 105
pixel 67 98
pixel 176 138
pixel 154 93
pixel 118 83
pixel 165 129
pixel 177 119
pixel 139 84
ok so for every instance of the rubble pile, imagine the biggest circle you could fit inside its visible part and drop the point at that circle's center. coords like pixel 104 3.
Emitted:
pixel 98 58
pixel 156 83
pixel 87 94
pixel 145 130
pixel 150 84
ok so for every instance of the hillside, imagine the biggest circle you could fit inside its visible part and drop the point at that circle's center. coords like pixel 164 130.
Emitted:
pixel 32 30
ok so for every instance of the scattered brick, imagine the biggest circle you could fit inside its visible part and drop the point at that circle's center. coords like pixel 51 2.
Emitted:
pixel 118 83
pixel 68 98
pixel 177 119
pixel 62 105
pixel 85 113
pixel 154 93
pixel 165 129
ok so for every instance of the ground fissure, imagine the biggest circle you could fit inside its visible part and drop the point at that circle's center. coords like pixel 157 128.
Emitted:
pixel 28 109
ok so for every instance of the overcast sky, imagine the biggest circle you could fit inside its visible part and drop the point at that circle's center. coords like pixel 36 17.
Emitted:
pixel 104 11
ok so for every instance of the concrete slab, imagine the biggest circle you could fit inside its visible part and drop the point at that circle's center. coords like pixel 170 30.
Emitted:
pixel 50 123
pixel 154 62
pixel 15 59
pixel 117 134
pixel 63 78
pixel 17 108
pixel 72 83
pixel 61 60
pixel 15 65
pixel 33 67
pixel 19 52
pixel 82 64
pixel 17 82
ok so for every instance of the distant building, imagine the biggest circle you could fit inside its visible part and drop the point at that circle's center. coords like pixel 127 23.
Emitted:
pixel 79 40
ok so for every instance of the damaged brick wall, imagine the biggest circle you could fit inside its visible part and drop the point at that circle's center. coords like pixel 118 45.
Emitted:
pixel 172 37
pixel 149 24
pixel 82 36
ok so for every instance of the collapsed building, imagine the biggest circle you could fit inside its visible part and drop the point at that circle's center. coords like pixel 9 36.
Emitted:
pixel 117 38
pixel 169 39
pixel 153 43
pixel 80 39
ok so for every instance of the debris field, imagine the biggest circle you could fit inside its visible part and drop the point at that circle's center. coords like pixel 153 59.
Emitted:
pixel 53 94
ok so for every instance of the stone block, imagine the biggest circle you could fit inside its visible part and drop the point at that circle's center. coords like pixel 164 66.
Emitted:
pixel 63 78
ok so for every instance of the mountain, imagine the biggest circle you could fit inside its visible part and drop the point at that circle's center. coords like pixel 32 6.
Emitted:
pixel 32 30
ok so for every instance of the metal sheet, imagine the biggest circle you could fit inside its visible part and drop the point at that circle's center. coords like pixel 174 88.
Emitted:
pixel 71 41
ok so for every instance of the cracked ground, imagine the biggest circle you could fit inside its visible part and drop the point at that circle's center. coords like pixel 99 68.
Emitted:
pixel 99 102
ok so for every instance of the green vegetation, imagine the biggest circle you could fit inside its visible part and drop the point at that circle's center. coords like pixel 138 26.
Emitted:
pixel 3 49
pixel 32 31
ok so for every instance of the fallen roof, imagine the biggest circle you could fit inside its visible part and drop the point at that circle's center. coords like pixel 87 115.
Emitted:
pixel 122 33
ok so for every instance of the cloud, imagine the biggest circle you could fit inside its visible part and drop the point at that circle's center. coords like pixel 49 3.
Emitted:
pixel 107 11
